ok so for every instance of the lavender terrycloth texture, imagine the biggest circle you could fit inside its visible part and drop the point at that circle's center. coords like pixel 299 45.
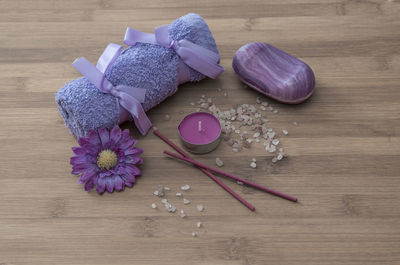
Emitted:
pixel 143 65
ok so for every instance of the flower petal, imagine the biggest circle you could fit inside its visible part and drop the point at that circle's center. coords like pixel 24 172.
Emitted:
pixel 100 186
pixel 89 185
pixel 127 143
pixel 119 183
pixel 88 146
pixel 104 136
pixel 79 150
pixel 133 151
pixel 80 168
pixel 109 184
pixel 132 170
pixel 130 178
pixel 81 159
pixel 133 160
pixel 93 138
pixel 115 134
pixel 87 175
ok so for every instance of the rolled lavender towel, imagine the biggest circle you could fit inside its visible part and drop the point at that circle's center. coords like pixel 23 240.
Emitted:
pixel 156 67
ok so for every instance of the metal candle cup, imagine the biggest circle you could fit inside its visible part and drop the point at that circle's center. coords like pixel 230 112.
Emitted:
pixel 200 132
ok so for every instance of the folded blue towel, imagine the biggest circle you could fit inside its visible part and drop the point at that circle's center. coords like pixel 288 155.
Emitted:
pixel 153 67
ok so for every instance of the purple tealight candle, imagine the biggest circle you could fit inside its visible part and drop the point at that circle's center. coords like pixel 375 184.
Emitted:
pixel 200 132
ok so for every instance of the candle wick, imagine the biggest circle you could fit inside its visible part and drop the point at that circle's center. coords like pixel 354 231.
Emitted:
pixel 199 126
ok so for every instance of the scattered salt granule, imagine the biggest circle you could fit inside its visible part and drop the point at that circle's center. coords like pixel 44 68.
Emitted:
pixel 285 132
pixel 235 150
pixel 257 134
pixel 153 205
pixel 178 194
pixel 225 94
pixel 275 142
pixel 167 117
pixel 239 182
pixel 185 187
pixel 181 112
pixel 265 104
pixel 182 214
pixel 295 123
pixel 185 201
pixel 164 201
pixel 219 162
pixel 274 159
pixel 257 140
pixel 279 157
pixel 258 100
pixel 271 108
pixel 167 188
pixel 194 234
pixel 160 191
pixel 198 224
pixel 200 207
pixel 169 207
pixel 253 164
pixel 192 103
pixel 262 108
pixel 203 96
pixel 219 89
pixel 254 159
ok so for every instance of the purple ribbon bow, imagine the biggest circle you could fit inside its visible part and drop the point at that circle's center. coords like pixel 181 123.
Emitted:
pixel 193 55
pixel 130 98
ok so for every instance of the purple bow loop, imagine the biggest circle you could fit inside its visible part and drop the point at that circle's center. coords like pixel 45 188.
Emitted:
pixel 193 55
pixel 130 98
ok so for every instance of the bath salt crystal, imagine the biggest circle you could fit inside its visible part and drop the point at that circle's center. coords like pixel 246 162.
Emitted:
pixel 219 162
pixel 254 159
pixel 253 164
pixel 262 107
pixel 167 188
pixel 279 157
pixel 257 134
pixel 198 224
pixel 200 207
pixel 257 140
pixel 154 206
pixel 237 131
pixel 203 96
pixel 170 208
pixel 258 100
pixel 265 104
pixel 160 191
pixel 167 117
pixel 225 94
pixel 181 112
pixel 185 201
pixel 274 159
pixel 265 120
pixel 275 111
pixel 178 194
pixel 231 142
pixel 185 187
pixel 275 142
pixel 219 89
pixel 235 150
pixel 192 103
pixel 194 234
pixel 164 201
pixel 295 123
pixel 182 214
pixel 239 182
pixel 271 108
pixel 285 132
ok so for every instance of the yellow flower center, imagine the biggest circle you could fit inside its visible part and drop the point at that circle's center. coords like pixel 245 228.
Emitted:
pixel 107 159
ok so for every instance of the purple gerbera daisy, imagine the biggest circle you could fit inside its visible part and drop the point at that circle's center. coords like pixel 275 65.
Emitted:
pixel 106 160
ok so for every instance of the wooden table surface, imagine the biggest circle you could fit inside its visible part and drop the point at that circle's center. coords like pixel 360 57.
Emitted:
pixel 343 157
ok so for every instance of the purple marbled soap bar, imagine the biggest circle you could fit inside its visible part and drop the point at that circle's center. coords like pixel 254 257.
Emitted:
pixel 274 73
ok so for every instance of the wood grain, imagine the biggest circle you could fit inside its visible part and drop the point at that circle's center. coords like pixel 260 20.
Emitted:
pixel 344 157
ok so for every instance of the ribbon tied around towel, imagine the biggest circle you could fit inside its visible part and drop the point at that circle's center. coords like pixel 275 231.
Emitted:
pixel 193 55
pixel 130 98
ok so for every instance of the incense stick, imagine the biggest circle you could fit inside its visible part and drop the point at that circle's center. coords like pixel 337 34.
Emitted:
pixel 249 183
pixel 209 174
